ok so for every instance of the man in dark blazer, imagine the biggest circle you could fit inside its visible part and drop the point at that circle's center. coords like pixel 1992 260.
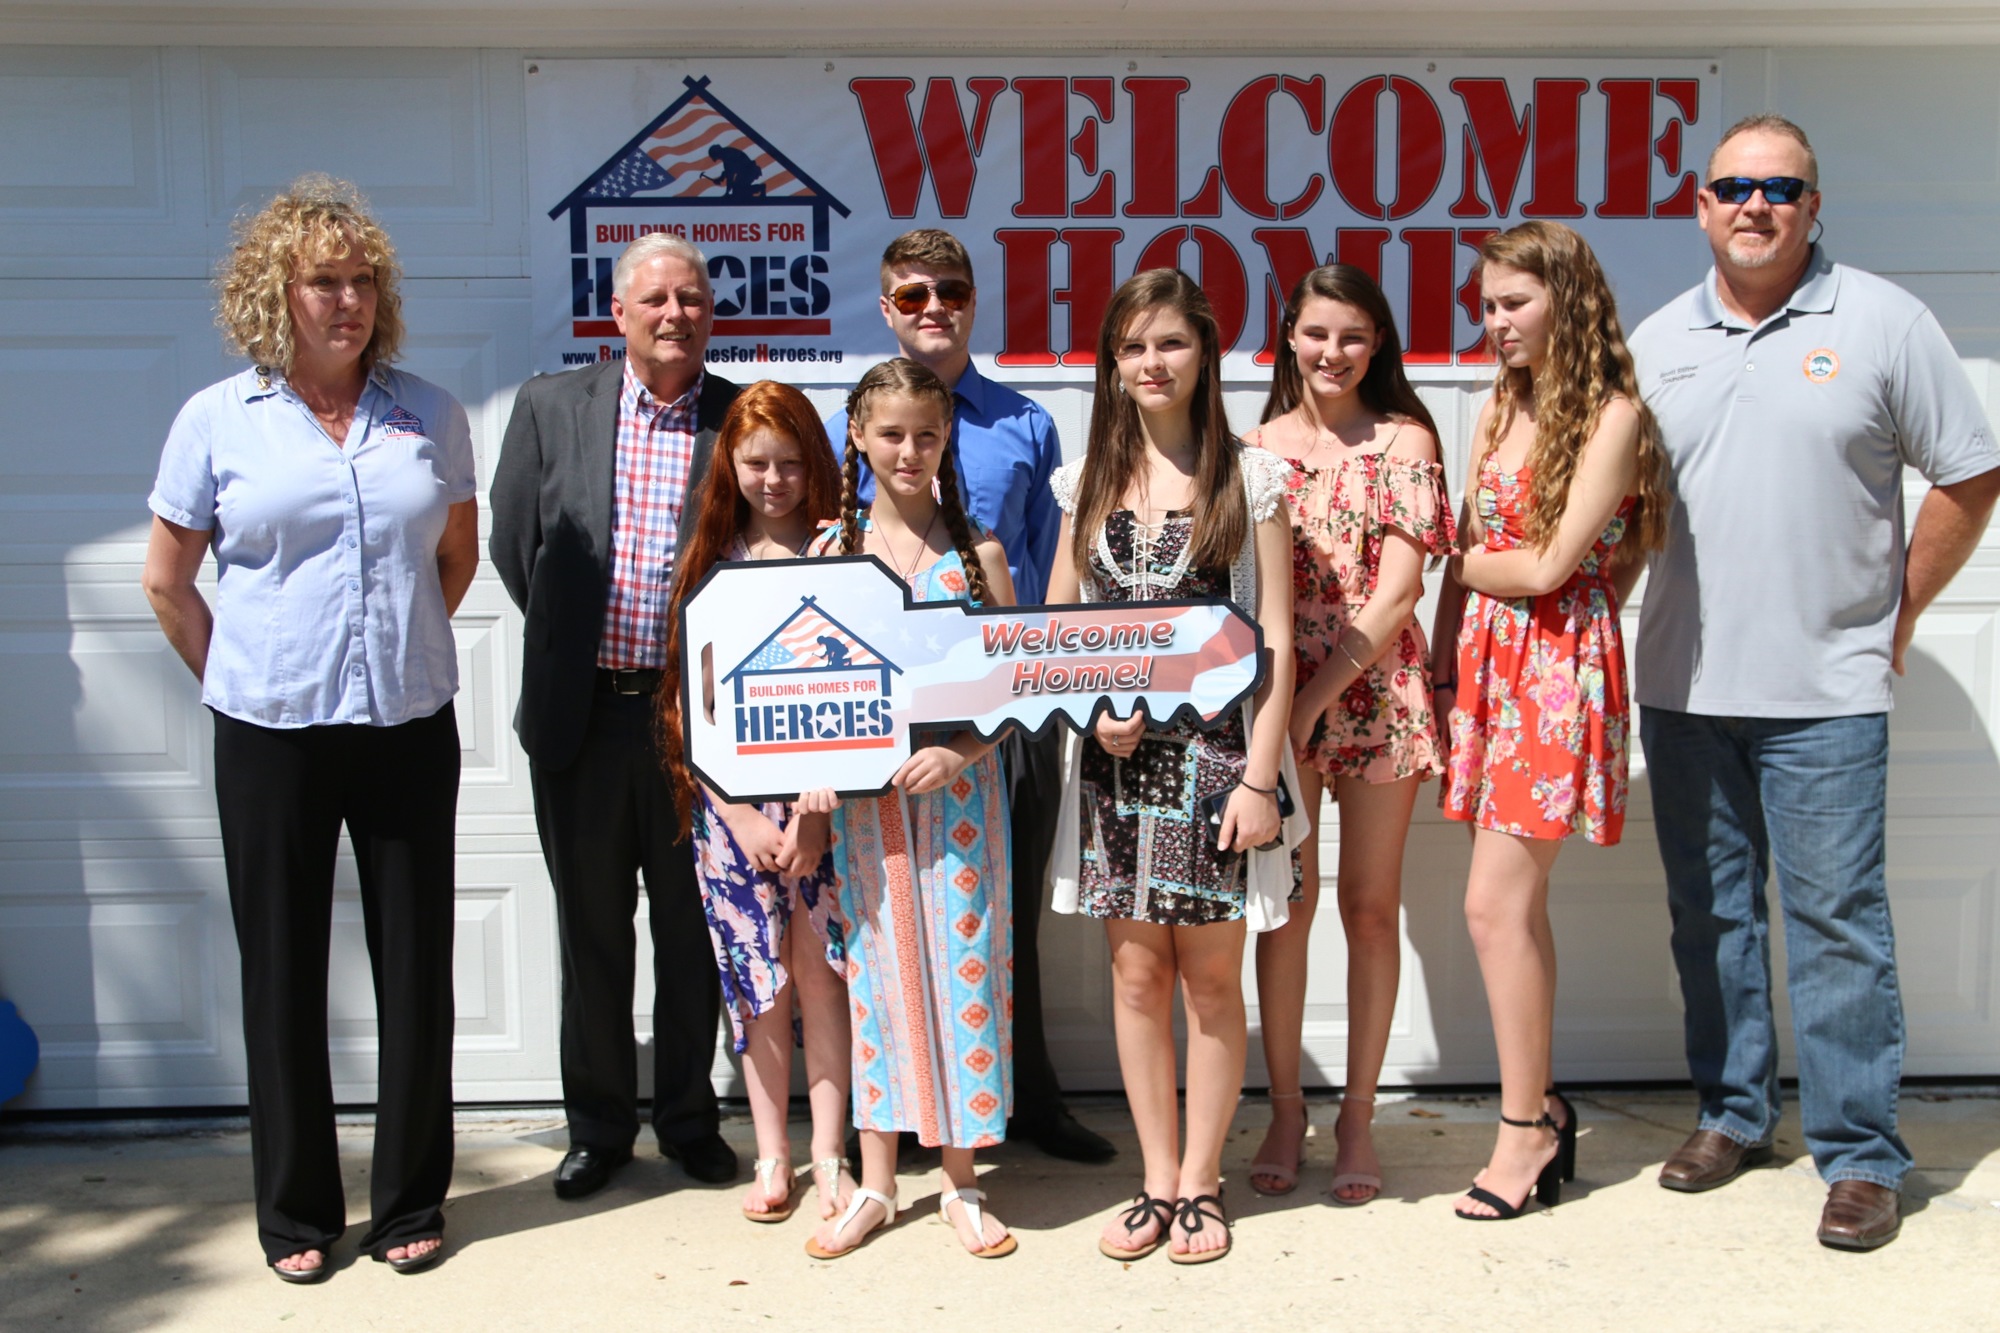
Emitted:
pixel 587 499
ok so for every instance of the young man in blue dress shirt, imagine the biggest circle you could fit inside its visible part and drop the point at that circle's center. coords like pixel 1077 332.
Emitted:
pixel 1005 448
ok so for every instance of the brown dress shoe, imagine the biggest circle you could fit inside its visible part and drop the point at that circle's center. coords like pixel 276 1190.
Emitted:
pixel 1860 1216
pixel 1708 1159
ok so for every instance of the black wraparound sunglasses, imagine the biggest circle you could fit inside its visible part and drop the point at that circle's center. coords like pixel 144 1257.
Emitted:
pixel 1777 189
pixel 912 297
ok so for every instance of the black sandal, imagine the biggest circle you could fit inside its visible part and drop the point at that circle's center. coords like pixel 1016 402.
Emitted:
pixel 1565 1135
pixel 1547 1188
pixel 1143 1208
pixel 1192 1216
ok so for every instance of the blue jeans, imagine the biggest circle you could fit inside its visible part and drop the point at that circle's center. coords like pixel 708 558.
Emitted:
pixel 1730 794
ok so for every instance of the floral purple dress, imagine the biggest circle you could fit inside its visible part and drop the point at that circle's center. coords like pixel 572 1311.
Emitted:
pixel 749 912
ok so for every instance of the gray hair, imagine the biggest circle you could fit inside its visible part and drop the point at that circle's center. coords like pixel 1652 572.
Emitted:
pixel 1770 122
pixel 652 246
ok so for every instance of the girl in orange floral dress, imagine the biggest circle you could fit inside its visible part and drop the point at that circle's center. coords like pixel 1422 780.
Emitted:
pixel 1565 496
pixel 1368 505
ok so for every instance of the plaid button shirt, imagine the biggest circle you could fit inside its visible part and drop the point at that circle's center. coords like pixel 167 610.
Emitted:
pixel 655 450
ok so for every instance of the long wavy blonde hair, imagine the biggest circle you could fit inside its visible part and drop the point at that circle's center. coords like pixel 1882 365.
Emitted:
pixel 1586 366
pixel 317 217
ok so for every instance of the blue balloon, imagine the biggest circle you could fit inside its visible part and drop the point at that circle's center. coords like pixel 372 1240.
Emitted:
pixel 19 1051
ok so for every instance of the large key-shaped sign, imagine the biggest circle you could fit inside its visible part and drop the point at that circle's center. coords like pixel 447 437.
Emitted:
pixel 798 674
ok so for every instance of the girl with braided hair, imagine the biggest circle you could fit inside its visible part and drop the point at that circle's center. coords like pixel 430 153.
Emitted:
pixel 1565 497
pixel 922 871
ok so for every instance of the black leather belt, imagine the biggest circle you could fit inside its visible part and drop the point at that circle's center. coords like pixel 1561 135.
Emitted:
pixel 627 680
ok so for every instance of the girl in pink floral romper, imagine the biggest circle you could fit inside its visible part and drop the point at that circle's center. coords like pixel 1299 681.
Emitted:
pixel 1368 506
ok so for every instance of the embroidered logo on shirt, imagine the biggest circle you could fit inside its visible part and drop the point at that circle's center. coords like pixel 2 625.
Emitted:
pixel 1677 374
pixel 401 421
pixel 1821 365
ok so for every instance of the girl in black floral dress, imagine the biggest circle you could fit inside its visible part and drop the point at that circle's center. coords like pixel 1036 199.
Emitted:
pixel 1166 503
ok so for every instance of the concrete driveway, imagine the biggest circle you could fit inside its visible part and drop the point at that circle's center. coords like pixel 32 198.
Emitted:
pixel 148 1226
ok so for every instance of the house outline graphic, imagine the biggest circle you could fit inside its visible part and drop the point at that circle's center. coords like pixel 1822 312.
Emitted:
pixel 630 178
pixel 742 672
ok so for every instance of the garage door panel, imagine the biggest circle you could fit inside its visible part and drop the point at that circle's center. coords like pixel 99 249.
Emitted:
pixel 96 706
pixel 1880 192
pixel 146 988
pixel 1942 741
pixel 501 938
pixel 86 140
pixel 415 133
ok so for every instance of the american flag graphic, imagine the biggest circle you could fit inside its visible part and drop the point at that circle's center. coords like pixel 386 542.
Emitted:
pixel 674 162
pixel 804 642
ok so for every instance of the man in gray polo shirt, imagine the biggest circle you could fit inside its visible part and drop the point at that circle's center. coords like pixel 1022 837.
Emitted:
pixel 1791 391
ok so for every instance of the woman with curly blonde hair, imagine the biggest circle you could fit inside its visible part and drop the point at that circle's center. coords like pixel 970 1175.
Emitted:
pixel 1565 496
pixel 337 496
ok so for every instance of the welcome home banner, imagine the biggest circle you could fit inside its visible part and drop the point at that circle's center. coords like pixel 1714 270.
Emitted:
pixel 1063 177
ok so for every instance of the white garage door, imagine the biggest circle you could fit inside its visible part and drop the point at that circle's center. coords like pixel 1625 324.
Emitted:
pixel 119 172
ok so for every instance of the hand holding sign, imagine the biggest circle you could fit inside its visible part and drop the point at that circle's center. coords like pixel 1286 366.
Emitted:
pixel 822 669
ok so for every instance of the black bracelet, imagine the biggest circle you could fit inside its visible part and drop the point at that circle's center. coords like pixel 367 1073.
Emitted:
pixel 1444 685
pixel 1261 791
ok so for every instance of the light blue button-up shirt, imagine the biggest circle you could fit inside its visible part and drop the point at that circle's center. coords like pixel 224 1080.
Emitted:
pixel 328 606
pixel 1005 448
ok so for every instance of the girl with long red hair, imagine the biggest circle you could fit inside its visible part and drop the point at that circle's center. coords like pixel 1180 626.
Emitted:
pixel 764 867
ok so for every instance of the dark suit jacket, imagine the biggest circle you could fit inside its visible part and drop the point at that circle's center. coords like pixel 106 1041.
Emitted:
pixel 551 540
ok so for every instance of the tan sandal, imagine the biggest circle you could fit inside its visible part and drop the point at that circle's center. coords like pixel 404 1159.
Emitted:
pixel 1347 1178
pixel 1287 1176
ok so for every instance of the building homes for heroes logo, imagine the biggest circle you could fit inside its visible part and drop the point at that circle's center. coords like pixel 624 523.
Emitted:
pixel 699 171
pixel 812 684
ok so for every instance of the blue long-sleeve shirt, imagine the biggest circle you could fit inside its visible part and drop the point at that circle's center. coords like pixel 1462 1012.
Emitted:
pixel 1005 448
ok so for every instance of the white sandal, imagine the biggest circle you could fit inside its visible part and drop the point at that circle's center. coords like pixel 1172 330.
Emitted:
pixel 970 1200
pixel 1346 1178
pixel 1288 1176
pixel 862 1195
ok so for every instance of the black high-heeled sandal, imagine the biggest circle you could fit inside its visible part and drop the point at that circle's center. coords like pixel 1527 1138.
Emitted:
pixel 1565 1135
pixel 1548 1185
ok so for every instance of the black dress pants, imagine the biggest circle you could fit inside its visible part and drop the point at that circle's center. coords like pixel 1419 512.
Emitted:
pixel 1033 770
pixel 606 818
pixel 283 796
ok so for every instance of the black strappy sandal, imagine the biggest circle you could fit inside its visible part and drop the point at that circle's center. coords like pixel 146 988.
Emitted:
pixel 1548 1185
pixel 1143 1207
pixel 1565 1136
pixel 1191 1215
